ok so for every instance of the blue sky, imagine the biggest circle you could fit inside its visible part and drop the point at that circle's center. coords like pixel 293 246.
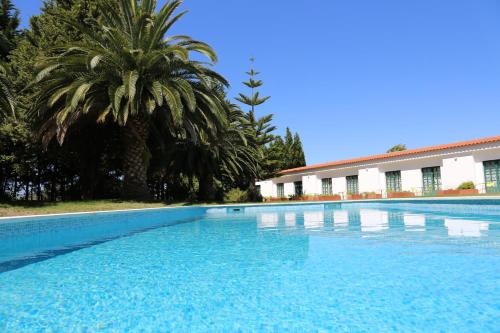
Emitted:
pixel 356 77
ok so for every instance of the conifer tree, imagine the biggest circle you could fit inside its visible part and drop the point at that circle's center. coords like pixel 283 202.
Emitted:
pixel 261 126
pixel 254 99
pixel 297 156
pixel 9 23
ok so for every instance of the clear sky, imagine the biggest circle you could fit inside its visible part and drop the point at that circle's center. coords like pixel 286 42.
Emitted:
pixel 355 77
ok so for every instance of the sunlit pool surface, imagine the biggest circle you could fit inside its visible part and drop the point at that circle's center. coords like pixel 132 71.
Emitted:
pixel 372 267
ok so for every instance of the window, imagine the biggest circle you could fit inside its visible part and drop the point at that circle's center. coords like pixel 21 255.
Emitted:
pixel 492 176
pixel 326 186
pixel 258 190
pixel 431 178
pixel 393 181
pixel 298 187
pixel 352 185
pixel 281 190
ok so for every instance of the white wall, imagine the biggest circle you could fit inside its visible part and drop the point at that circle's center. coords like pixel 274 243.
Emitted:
pixel 311 184
pixel 411 180
pixel 266 188
pixel 456 170
pixel 369 180
pixel 457 166
pixel 339 185
pixel 289 189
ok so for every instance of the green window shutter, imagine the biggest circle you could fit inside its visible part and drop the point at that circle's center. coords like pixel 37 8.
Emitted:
pixel 431 179
pixel 326 186
pixel 298 187
pixel 393 181
pixel 281 190
pixel 352 184
pixel 492 176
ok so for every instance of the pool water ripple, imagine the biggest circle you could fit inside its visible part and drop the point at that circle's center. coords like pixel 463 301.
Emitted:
pixel 299 269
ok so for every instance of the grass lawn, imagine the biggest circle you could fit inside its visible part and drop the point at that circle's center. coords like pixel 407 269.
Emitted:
pixel 37 208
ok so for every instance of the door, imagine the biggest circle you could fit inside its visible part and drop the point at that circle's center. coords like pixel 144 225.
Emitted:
pixel 281 190
pixel 352 185
pixel 393 181
pixel 492 176
pixel 326 186
pixel 298 188
pixel 431 178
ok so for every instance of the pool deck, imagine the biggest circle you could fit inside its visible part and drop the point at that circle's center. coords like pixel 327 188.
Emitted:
pixel 449 199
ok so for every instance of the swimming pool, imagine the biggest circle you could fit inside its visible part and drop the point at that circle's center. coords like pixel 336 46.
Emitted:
pixel 377 267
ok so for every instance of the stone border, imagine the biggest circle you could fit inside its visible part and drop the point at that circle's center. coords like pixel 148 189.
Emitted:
pixel 283 203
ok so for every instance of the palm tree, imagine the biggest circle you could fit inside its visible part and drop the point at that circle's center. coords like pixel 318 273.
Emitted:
pixel 230 154
pixel 128 72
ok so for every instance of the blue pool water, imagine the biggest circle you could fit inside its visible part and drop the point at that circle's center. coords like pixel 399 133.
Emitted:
pixel 371 267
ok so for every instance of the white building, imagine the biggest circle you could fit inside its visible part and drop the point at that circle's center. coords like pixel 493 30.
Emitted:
pixel 424 171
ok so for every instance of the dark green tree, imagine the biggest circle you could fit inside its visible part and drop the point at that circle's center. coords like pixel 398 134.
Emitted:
pixel 297 155
pixel 9 24
pixel 7 100
pixel 126 71
pixel 399 147
pixel 253 83
pixel 262 129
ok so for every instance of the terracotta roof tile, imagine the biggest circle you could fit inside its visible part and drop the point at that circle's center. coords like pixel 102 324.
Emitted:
pixel 394 154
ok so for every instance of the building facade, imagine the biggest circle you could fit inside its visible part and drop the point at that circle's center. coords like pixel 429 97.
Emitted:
pixel 416 172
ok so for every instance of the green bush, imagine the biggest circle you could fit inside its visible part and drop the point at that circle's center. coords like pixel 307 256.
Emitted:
pixel 236 195
pixel 466 186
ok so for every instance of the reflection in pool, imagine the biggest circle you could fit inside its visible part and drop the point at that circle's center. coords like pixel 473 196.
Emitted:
pixel 310 268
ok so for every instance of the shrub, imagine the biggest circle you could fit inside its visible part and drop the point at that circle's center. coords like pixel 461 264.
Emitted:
pixel 466 186
pixel 236 195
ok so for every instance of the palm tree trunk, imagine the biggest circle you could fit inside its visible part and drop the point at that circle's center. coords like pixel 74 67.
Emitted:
pixel 135 169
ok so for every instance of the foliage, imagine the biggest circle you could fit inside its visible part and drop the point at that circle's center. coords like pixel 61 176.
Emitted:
pixel 466 186
pixel 9 23
pixel 124 102
pixel 7 100
pixel 127 72
pixel 236 195
pixel 287 153
pixel 398 147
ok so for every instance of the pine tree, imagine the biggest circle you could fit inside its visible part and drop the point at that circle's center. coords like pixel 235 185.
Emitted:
pixel 297 156
pixel 253 84
pixel 261 126
pixel 9 23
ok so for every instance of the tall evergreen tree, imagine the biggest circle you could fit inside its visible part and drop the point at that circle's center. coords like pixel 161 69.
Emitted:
pixel 9 24
pixel 254 99
pixel 261 127
pixel 297 156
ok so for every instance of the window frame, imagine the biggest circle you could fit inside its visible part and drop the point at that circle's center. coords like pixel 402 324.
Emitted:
pixel 352 184
pixel 326 186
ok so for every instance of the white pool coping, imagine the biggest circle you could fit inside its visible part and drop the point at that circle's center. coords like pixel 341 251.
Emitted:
pixel 279 203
